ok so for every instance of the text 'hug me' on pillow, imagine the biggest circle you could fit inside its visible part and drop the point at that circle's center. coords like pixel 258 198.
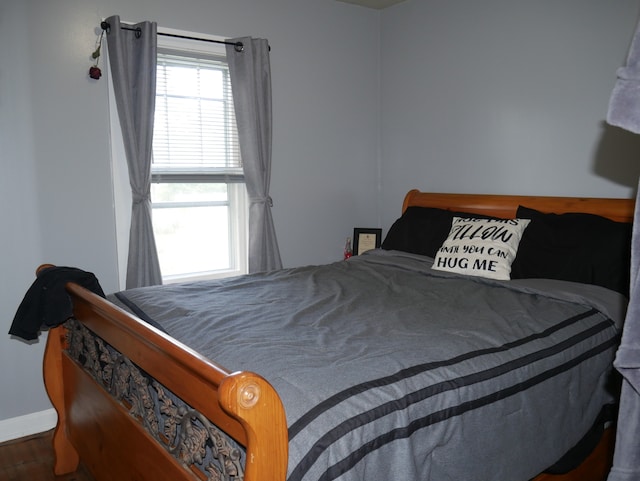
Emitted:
pixel 481 247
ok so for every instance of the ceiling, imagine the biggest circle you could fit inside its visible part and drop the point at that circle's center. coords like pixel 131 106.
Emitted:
pixel 378 4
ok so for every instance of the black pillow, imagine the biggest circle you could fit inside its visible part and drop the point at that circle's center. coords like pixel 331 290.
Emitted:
pixel 574 247
pixel 422 230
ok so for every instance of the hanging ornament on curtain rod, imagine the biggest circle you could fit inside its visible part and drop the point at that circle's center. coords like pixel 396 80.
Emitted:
pixel 94 71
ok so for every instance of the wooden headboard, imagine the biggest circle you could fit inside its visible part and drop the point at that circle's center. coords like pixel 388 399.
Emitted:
pixel 620 210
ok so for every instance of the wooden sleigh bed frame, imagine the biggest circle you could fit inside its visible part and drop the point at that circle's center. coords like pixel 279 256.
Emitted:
pixel 103 434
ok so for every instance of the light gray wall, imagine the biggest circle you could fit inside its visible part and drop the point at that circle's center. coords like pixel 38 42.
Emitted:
pixel 20 240
pixel 54 131
pixel 496 96
pixel 504 96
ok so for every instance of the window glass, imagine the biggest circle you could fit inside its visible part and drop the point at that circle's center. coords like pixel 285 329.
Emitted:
pixel 197 192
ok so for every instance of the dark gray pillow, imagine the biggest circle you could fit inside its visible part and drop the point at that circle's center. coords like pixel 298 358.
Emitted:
pixel 422 230
pixel 574 247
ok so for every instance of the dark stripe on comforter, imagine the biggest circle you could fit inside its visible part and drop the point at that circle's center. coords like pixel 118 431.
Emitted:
pixel 450 384
pixel 339 397
pixel 404 432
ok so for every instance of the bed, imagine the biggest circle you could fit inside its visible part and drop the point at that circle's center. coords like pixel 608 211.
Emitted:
pixel 300 379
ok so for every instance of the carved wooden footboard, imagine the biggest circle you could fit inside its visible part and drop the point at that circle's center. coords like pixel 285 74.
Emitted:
pixel 102 387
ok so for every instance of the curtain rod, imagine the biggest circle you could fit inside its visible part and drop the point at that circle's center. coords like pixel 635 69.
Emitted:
pixel 239 46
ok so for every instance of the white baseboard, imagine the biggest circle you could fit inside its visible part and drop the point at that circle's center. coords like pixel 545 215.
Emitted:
pixel 21 426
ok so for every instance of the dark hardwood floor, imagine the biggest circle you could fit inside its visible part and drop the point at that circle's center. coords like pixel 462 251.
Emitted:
pixel 31 459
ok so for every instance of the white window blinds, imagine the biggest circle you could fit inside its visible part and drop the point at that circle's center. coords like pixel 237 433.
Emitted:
pixel 195 132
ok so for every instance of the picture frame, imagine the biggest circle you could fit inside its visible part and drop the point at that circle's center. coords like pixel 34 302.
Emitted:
pixel 365 239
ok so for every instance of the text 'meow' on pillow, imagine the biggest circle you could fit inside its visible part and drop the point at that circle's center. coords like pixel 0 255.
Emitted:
pixel 481 247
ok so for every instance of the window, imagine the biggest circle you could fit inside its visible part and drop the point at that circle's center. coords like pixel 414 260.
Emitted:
pixel 197 191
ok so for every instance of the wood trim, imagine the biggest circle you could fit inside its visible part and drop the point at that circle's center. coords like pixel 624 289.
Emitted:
pixel 620 210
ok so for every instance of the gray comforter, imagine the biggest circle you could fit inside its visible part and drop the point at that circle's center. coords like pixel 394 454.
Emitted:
pixel 391 370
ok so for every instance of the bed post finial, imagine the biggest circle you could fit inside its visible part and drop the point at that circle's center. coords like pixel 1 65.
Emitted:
pixel 249 398
pixel 42 267
pixel 408 198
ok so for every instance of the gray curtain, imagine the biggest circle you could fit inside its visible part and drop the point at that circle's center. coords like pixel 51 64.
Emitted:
pixel 133 58
pixel 250 73
pixel 624 112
